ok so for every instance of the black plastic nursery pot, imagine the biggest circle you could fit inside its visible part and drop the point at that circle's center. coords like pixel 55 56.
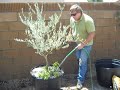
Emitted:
pixel 105 69
pixel 50 84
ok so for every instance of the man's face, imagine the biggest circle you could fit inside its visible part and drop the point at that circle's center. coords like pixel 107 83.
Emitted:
pixel 76 15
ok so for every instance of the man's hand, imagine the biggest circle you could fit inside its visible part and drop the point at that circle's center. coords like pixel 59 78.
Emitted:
pixel 80 46
pixel 89 38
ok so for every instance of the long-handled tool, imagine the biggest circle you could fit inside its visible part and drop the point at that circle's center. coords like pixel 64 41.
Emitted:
pixel 71 53
pixel 68 55
pixel 88 57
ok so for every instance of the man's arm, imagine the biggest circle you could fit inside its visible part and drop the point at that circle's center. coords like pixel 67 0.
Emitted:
pixel 89 38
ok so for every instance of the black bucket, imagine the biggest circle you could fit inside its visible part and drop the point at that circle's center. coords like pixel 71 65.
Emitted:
pixel 50 84
pixel 105 69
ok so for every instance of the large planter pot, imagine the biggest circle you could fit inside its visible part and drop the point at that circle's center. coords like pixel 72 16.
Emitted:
pixel 105 69
pixel 49 84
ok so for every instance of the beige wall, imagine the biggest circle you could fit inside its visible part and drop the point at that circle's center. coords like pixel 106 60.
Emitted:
pixel 48 1
pixel 16 59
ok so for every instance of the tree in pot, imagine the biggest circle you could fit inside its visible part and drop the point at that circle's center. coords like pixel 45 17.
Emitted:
pixel 44 36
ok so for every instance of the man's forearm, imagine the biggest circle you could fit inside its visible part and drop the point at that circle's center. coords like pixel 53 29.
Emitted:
pixel 89 38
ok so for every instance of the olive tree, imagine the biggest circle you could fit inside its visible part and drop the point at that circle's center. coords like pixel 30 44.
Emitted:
pixel 44 36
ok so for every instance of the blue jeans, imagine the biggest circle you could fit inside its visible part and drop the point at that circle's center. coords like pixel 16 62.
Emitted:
pixel 83 59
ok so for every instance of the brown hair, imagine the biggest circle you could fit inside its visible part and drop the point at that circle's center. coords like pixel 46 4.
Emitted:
pixel 75 8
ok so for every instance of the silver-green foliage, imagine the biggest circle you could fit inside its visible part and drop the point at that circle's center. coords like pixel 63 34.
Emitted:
pixel 42 35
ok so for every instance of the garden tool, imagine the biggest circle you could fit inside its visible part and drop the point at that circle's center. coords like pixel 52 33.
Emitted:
pixel 68 55
pixel 71 53
pixel 88 57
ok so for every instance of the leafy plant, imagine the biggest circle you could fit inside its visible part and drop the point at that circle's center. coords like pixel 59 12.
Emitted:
pixel 44 36
pixel 52 71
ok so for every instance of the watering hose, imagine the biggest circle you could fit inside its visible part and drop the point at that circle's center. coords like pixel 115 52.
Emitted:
pixel 67 56
pixel 88 57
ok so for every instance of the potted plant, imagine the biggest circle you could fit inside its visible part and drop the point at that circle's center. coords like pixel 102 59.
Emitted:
pixel 44 36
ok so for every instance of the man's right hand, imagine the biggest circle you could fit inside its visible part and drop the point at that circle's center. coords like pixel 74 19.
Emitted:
pixel 80 46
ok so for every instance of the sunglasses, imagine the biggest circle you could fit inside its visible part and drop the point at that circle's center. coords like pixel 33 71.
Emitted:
pixel 73 14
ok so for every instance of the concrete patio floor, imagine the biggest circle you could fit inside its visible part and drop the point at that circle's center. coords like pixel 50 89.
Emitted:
pixel 69 83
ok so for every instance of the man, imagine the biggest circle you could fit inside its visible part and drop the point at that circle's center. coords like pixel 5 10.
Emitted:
pixel 83 28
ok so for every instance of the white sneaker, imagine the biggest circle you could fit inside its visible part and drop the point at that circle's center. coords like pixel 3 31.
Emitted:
pixel 79 86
